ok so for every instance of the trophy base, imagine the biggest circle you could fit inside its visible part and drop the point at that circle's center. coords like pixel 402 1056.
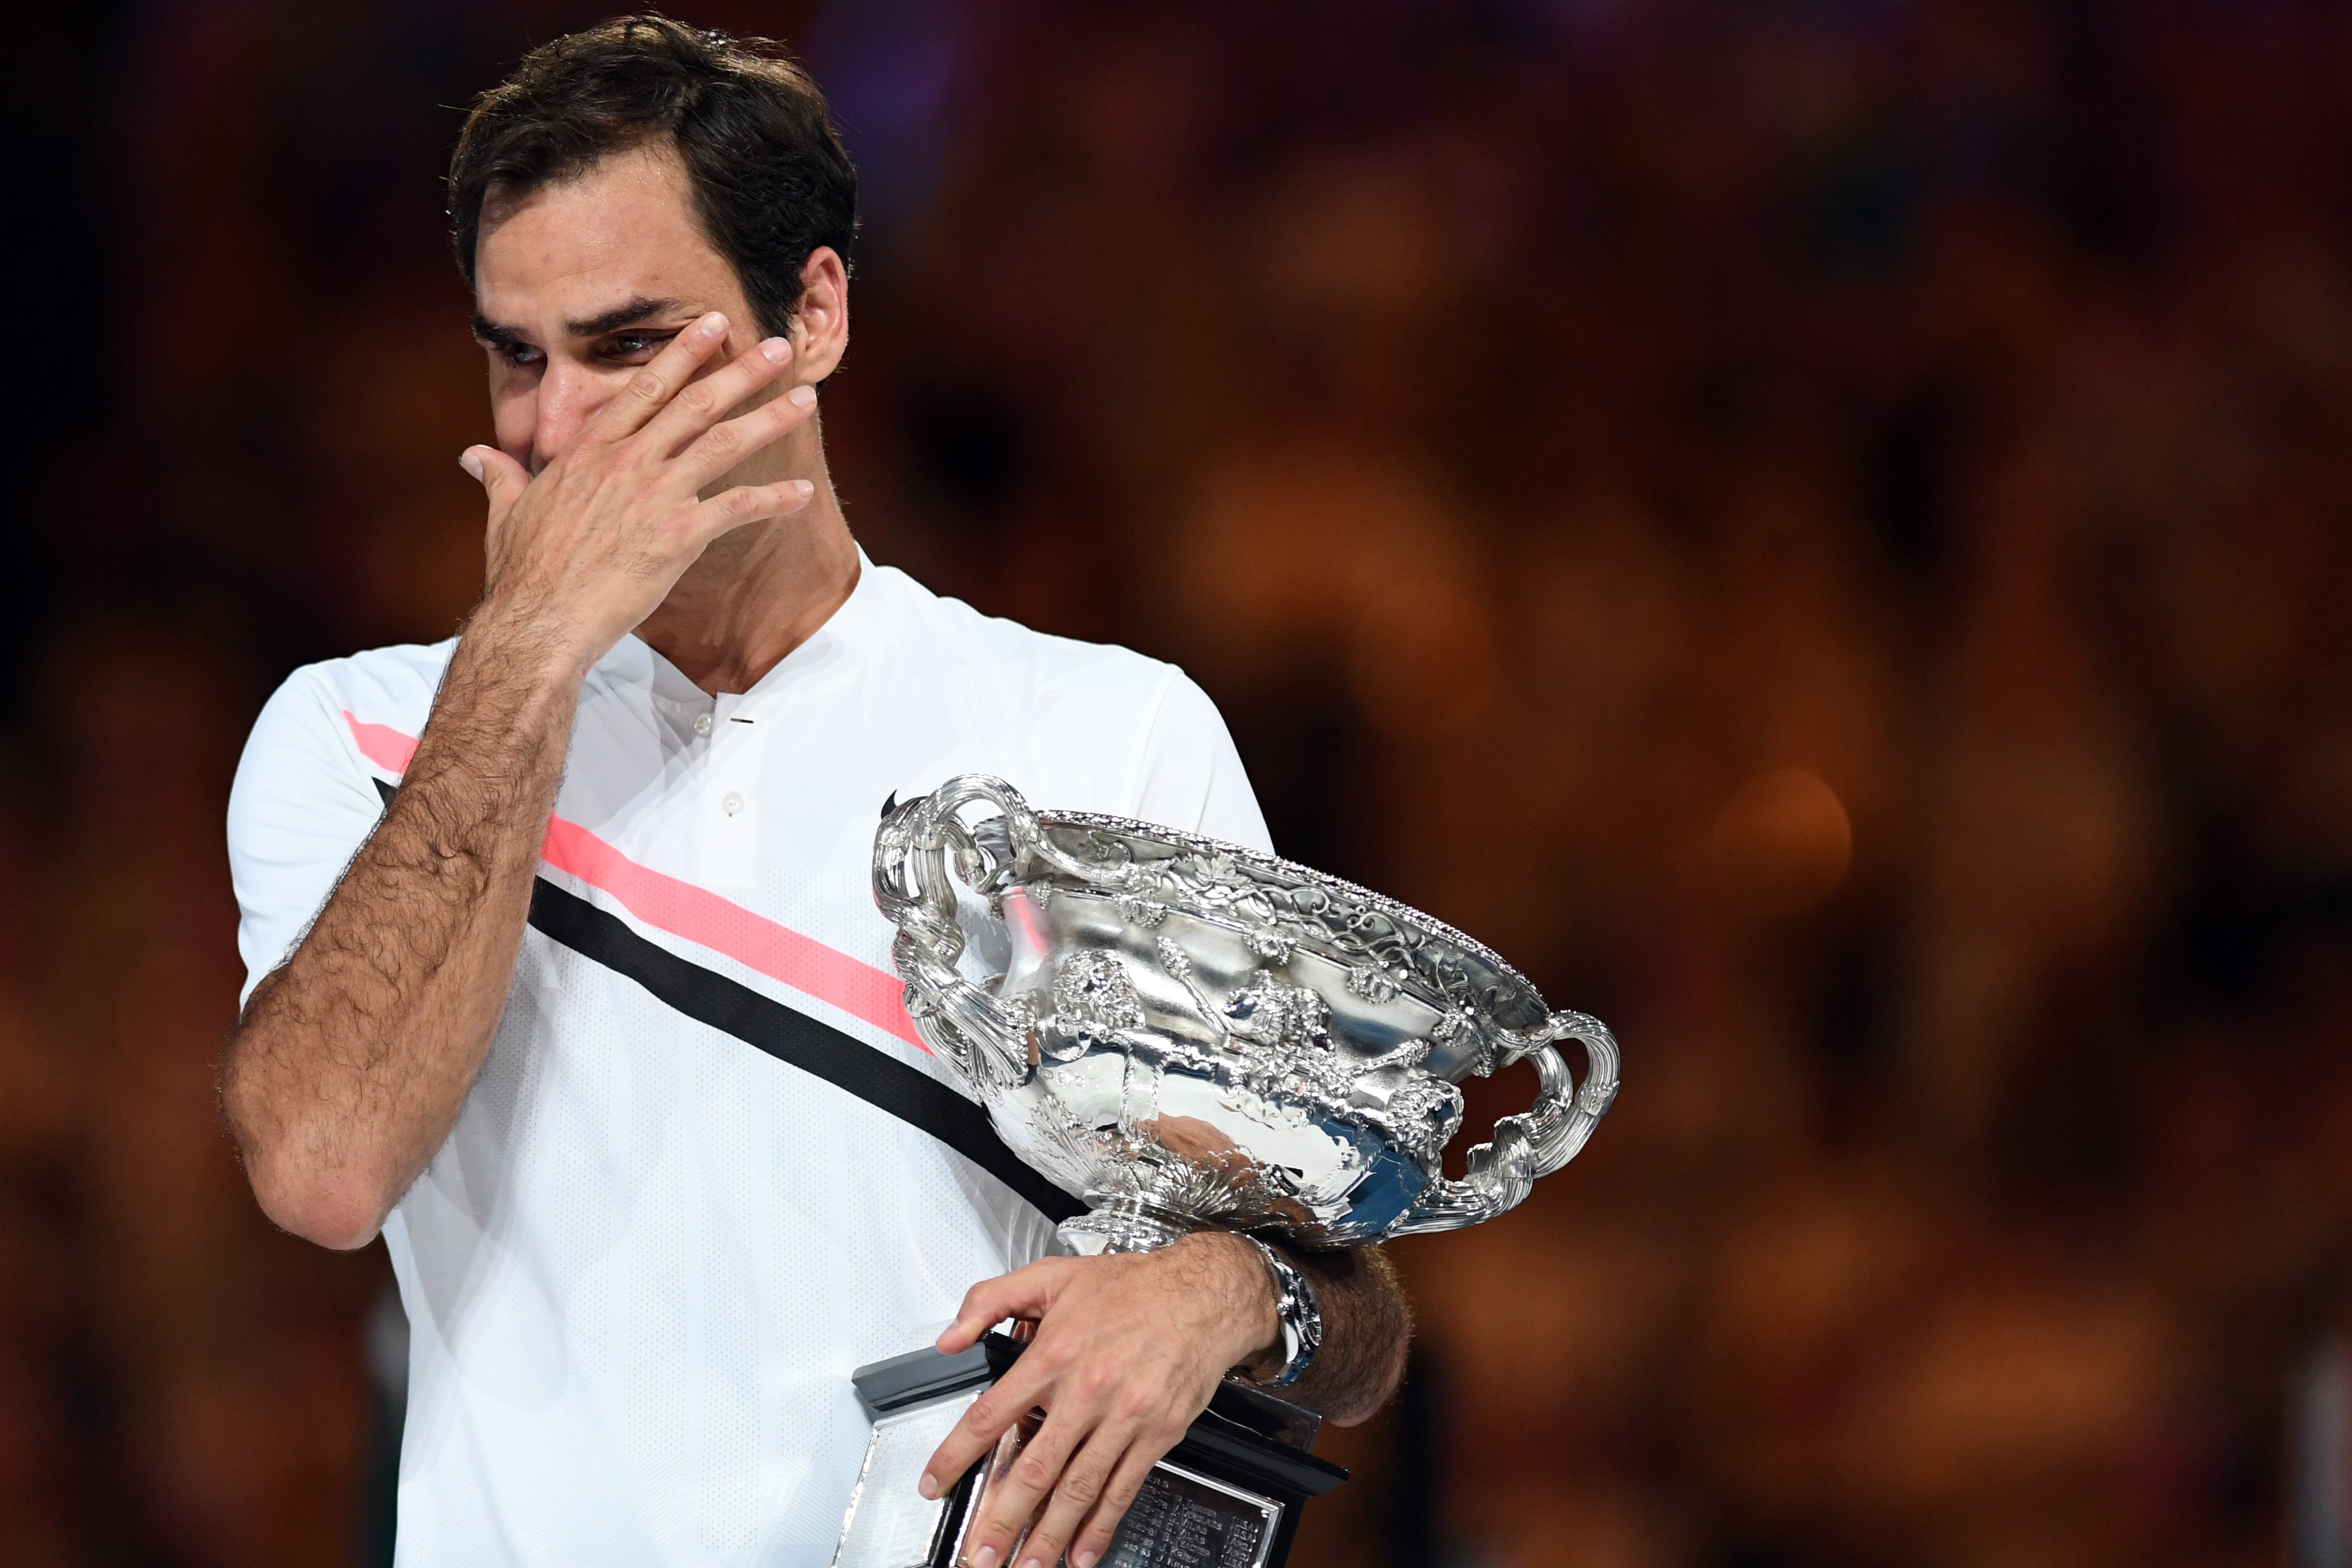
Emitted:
pixel 1228 1496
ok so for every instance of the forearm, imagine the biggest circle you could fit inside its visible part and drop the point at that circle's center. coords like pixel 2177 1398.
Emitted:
pixel 352 1062
pixel 1367 1328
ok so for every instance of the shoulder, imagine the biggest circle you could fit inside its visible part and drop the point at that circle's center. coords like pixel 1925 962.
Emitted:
pixel 379 684
pixel 1022 663
pixel 1085 726
pixel 368 705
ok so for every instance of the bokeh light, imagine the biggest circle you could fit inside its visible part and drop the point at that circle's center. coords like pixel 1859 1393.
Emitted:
pixel 1817 530
pixel 1781 843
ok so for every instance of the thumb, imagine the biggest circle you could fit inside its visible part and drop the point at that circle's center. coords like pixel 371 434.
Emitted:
pixel 501 478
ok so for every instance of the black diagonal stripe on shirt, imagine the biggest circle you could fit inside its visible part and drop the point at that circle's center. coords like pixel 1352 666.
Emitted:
pixel 790 1036
pixel 793 1037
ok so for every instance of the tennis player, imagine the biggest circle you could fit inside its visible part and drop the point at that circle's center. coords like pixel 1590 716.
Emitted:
pixel 565 978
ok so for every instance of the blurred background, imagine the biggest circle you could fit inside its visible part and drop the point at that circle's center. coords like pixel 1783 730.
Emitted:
pixel 1816 527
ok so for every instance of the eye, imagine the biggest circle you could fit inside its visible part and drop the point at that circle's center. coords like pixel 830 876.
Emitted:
pixel 521 355
pixel 636 347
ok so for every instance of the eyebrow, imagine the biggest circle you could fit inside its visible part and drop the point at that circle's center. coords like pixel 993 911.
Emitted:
pixel 631 313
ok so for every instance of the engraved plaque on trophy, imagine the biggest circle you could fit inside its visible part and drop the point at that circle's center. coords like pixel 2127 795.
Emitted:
pixel 1187 1033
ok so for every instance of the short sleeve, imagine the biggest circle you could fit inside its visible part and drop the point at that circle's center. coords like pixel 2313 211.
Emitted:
pixel 301 807
pixel 1190 776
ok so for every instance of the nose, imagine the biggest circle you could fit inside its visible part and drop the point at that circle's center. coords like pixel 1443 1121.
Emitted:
pixel 569 396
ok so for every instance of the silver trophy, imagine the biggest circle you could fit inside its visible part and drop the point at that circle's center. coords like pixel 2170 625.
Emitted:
pixel 1186 1034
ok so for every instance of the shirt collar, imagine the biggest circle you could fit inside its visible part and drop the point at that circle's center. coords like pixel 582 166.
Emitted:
pixel 856 627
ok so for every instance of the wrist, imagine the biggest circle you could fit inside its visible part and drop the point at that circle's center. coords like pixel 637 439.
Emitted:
pixel 1251 1296
pixel 528 643
pixel 1297 1313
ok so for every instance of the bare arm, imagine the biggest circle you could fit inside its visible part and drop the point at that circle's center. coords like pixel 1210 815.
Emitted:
pixel 1128 1350
pixel 351 1062
pixel 1367 1328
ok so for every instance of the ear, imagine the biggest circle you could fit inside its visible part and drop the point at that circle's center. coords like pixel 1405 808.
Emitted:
pixel 821 326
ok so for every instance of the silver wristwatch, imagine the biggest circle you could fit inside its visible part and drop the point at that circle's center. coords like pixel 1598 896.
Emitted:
pixel 1302 1321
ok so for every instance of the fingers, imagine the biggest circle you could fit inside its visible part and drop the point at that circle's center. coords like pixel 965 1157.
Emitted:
pixel 731 508
pixel 1082 1493
pixel 1015 1395
pixel 1013 1498
pixel 700 403
pixel 723 446
pixel 650 390
pixel 1117 1495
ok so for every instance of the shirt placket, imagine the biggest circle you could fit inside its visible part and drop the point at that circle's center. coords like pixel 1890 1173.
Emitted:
pixel 729 808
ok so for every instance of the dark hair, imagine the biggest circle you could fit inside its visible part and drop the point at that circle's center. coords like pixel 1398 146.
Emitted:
pixel 771 181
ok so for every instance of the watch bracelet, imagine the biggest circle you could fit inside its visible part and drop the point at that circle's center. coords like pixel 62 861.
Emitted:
pixel 1297 1312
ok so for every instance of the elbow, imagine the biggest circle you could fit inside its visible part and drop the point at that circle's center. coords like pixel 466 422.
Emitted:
pixel 1376 1391
pixel 332 1211
pixel 301 1191
pixel 301 1186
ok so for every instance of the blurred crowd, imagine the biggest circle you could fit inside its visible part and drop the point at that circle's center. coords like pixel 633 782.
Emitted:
pixel 1814 527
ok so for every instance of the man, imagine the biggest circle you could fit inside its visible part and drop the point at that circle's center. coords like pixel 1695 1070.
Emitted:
pixel 519 906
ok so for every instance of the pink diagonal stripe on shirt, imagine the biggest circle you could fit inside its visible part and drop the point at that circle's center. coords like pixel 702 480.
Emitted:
pixel 382 744
pixel 753 941
pixel 698 914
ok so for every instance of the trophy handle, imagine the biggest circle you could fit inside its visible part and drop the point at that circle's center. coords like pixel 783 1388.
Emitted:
pixel 915 885
pixel 1534 1142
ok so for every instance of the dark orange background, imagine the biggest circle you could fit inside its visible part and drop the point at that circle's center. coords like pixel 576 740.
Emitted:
pixel 1818 529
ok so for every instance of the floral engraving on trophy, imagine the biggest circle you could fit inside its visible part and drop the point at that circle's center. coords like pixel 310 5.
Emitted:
pixel 1142 911
pixel 1268 1012
pixel 1426 1111
pixel 1274 946
pixel 1094 999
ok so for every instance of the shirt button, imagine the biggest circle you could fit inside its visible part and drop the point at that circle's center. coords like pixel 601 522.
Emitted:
pixel 730 803
pixel 702 723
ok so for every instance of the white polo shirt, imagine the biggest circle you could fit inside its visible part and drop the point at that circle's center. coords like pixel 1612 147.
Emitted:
pixel 707 1169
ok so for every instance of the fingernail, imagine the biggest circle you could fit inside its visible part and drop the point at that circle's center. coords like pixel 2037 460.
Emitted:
pixel 713 325
pixel 929 1485
pixel 778 349
pixel 805 486
pixel 1033 1562
pixel 984 1558
pixel 471 461
pixel 1084 1559
pixel 804 395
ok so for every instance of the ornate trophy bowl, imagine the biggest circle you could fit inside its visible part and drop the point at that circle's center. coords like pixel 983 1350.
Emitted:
pixel 1185 1034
